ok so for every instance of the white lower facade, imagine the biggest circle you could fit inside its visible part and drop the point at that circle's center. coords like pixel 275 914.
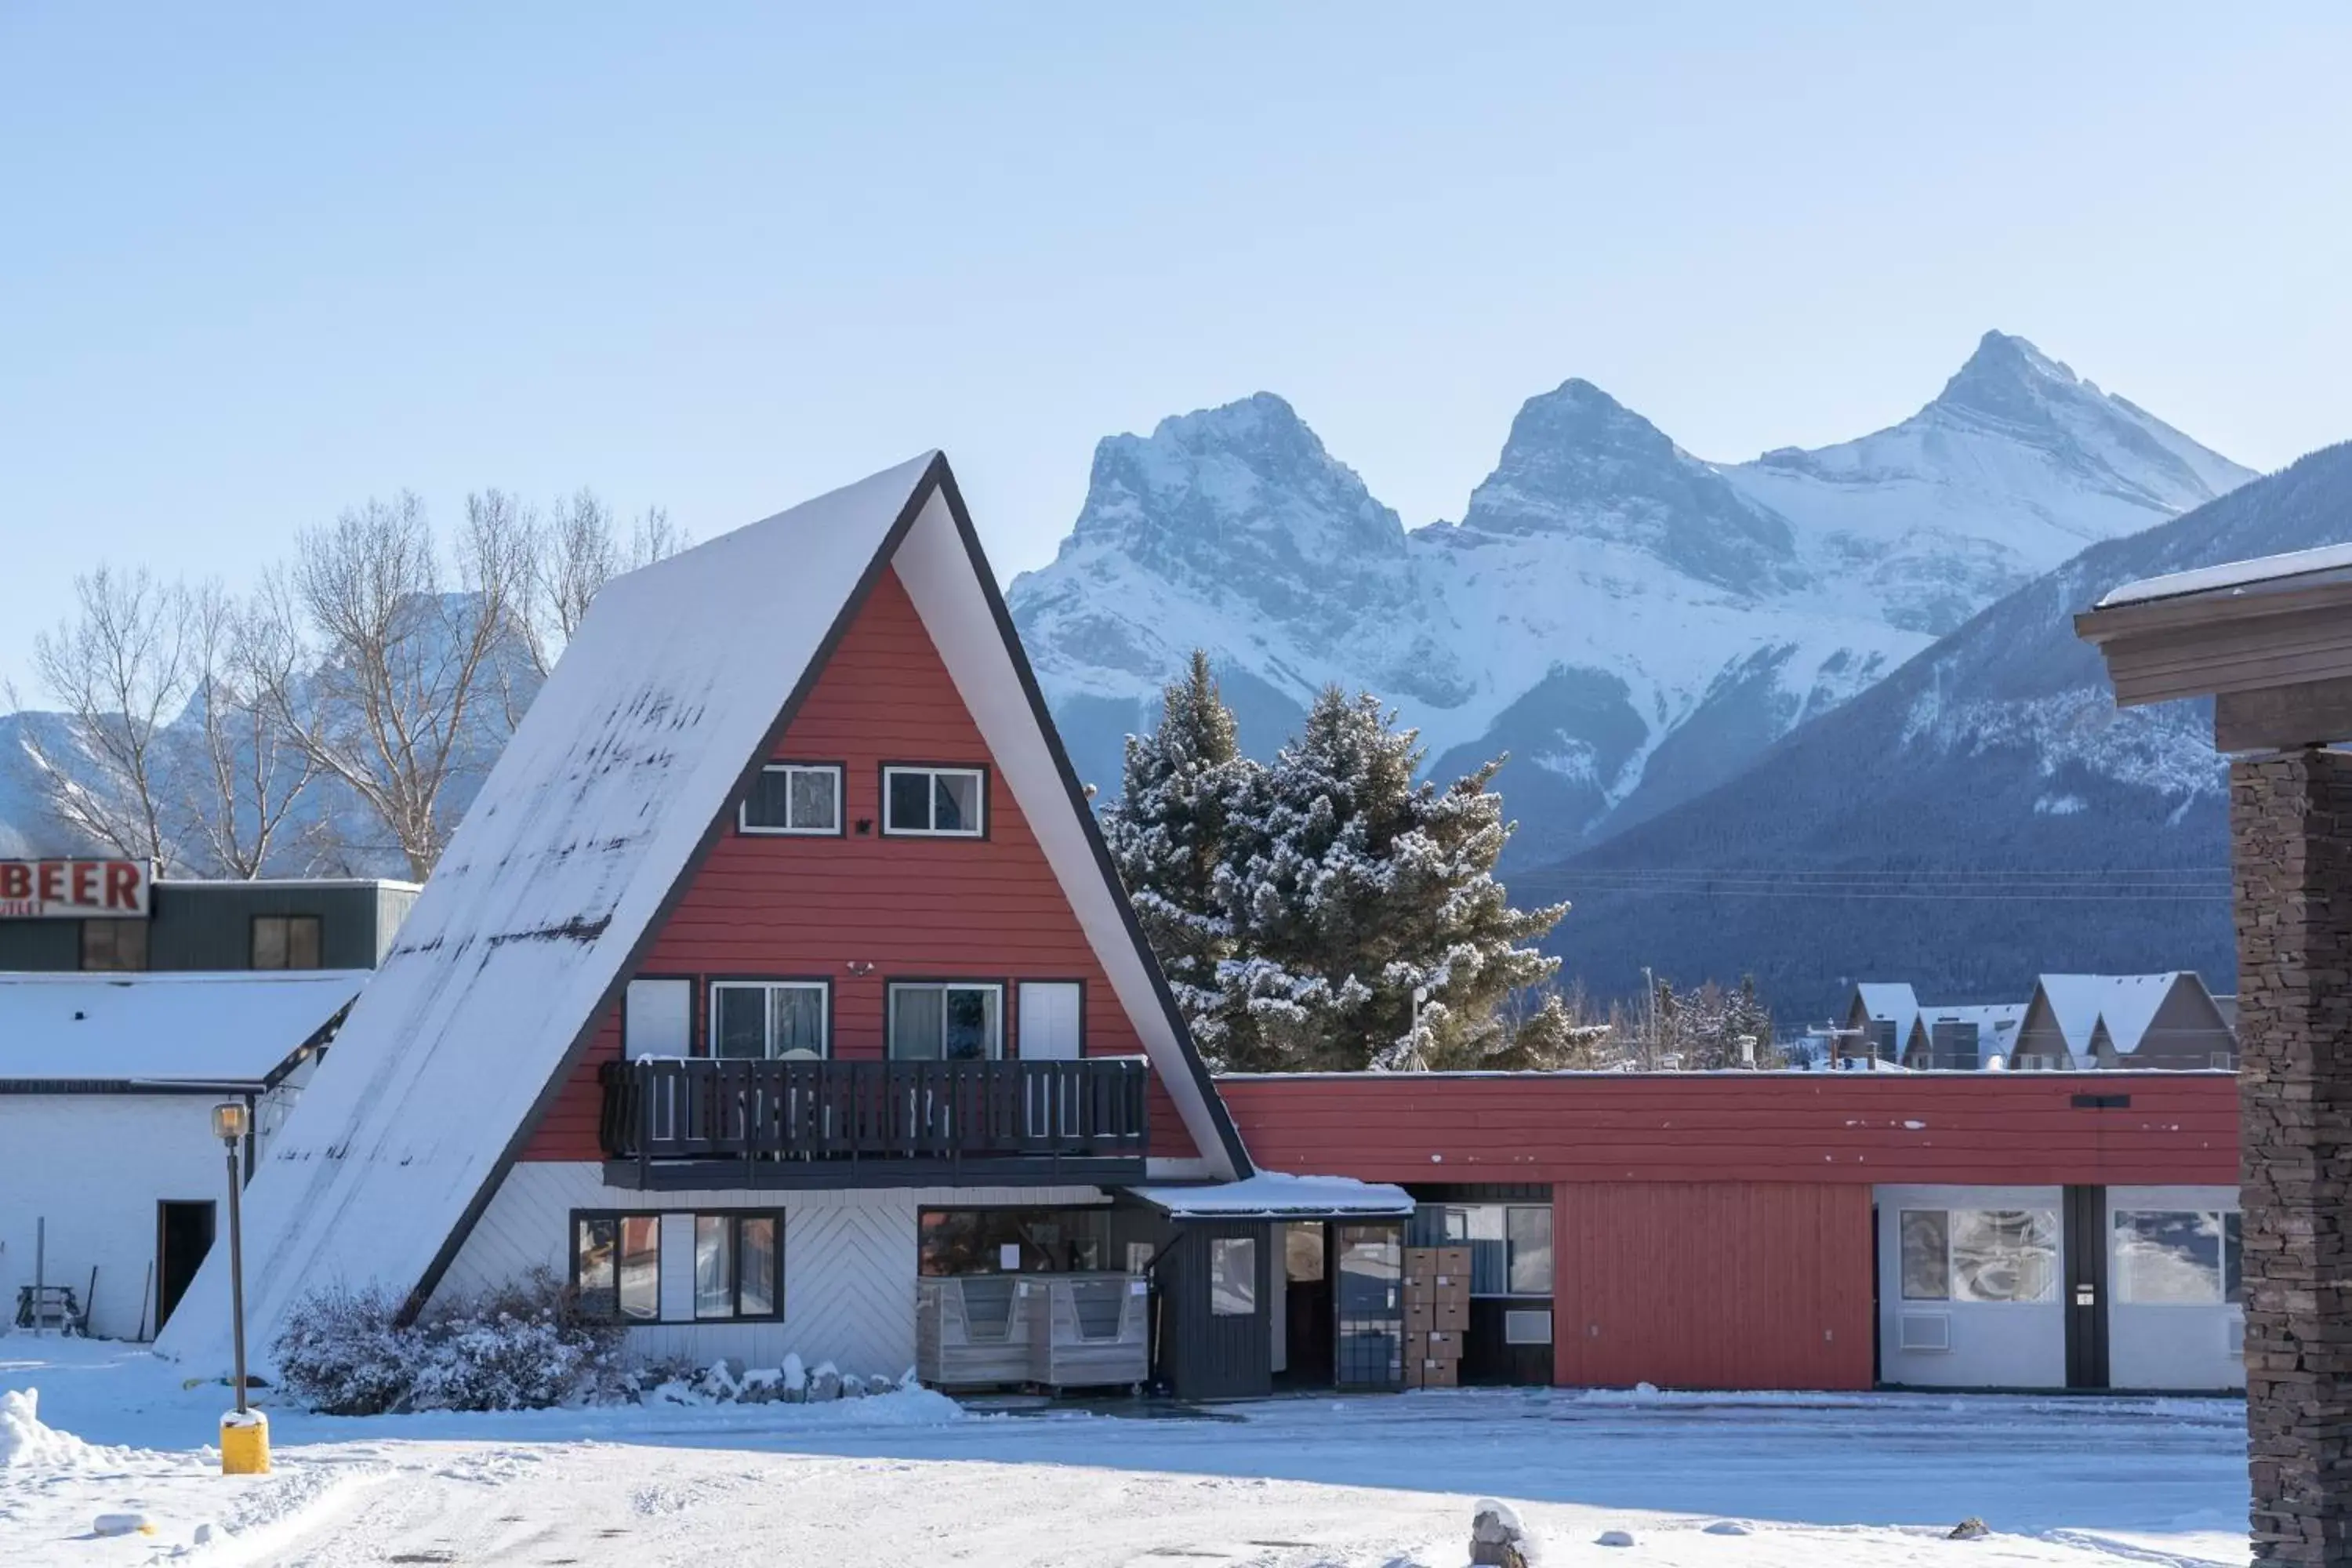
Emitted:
pixel 1981 1286
pixel 83 1179
pixel 850 1261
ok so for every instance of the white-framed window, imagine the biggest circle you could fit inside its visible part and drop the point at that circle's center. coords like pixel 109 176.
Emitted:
pixel 800 799
pixel 934 801
pixel 2177 1257
pixel 1979 1255
pixel 769 1019
pixel 950 1020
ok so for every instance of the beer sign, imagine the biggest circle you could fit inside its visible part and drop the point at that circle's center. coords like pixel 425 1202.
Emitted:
pixel 75 889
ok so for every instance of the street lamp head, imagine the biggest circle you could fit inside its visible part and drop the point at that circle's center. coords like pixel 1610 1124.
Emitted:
pixel 1420 995
pixel 231 1121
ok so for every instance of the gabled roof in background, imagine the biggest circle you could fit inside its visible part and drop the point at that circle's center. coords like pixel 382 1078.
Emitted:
pixel 1996 1023
pixel 168 1032
pixel 1892 1002
pixel 680 682
pixel 2127 1004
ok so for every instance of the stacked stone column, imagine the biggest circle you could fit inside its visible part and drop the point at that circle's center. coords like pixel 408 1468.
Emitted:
pixel 2291 847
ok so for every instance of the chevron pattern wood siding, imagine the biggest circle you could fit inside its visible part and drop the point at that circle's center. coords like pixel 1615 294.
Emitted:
pixel 849 1262
pixel 900 908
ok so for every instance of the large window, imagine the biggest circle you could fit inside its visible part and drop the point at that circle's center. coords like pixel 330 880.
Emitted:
pixel 1979 1254
pixel 1510 1244
pixel 801 798
pixel 768 1018
pixel 934 801
pixel 2176 1257
pixel 1014 1241
pixel 113 946
pixel 737 1259
pixel 286 941
pixel 947 1021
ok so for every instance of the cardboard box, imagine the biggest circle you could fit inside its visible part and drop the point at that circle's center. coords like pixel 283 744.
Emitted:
pixel 1419 1263
pixel 1450 1316
pixel 1432 1372
pixel 1440 1344
pixel 1421 1316
pixel 1453 1260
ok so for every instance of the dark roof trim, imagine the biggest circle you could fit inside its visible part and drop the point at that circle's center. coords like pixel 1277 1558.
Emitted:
pixel 643 944
pixel 1227 1133
pixel 129 1086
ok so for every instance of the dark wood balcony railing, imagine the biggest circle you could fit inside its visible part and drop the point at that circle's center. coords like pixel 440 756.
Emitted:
pixel 668 1121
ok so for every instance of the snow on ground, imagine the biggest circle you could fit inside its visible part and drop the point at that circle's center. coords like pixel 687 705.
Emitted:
pixel 1370 1482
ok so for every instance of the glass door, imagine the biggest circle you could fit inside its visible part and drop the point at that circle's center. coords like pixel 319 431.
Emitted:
pixel 1369 1303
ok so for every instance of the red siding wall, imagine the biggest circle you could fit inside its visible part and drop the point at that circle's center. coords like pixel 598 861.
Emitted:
pixel 911 909
pixel 1712 1285
pixel 1858 1128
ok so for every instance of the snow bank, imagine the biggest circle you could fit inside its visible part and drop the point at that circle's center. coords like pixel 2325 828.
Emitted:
pixel 26 1445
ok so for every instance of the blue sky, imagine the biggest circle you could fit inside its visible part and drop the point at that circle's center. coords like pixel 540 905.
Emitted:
pixel 258 264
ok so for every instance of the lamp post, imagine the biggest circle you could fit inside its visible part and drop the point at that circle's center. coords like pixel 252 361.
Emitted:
pixel 244 1433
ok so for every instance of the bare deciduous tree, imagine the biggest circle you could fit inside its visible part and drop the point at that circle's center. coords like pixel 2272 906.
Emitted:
pixel 576 550
pixel 239 791
pixel 121 668
pixel 405 688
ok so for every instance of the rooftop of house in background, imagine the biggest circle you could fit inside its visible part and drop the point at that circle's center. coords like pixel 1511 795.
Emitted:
pixel 166 924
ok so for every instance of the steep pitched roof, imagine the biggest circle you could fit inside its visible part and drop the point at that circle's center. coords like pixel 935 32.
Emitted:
pixel 611 794
pixel 1997 1024
pixel 1892 1002
pixel 164 1032
pixel 2127 1004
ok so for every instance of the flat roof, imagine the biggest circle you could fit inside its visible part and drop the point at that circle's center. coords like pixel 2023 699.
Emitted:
pixel 164 1030
pixel 2231 575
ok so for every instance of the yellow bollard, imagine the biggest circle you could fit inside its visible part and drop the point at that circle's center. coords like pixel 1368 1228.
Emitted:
pixel 245 1443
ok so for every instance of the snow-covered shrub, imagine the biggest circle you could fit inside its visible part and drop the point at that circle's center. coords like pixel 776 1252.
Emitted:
pixel 517 1347
pixel 342 1352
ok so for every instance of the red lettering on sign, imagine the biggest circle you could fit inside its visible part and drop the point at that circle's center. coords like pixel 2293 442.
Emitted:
pixel 53 881
pixel 85 882
pixel 121 885
pixel 16 879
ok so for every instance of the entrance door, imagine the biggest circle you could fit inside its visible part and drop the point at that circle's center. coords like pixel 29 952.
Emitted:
pixel 183 1234
pixel 2087 1287
pixel 1306 1304
pixel 1369 1261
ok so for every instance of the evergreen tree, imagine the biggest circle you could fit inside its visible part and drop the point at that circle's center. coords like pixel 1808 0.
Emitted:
pixel 1352 890
pixel 1167 834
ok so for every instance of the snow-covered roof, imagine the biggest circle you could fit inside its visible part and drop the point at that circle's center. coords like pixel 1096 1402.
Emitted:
pixel 1892 1002
pixel 1996 1022
pixel 169 1030
pixel 2127 1004
pixel 2234 575
pixel 1272 1194
pixel 618 780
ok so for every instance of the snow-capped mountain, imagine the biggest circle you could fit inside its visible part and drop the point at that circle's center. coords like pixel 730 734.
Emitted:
pixel 1984 814
pixel 1634 625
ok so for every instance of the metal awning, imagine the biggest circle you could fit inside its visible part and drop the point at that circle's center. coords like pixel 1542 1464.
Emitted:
pixel 1272 1194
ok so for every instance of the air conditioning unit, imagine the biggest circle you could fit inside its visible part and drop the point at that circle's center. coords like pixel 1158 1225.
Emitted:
pixel 1928 1332
pixel 2233 1335
pixel 1527 1326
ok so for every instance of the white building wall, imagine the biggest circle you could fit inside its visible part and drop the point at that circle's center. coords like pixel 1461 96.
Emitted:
pixel 95 1167
pixel 2172 1346
pixel 850 1261
pixel 1993 1345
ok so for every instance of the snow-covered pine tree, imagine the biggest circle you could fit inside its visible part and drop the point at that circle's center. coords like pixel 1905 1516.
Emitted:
pixel 1167 838
pixel 1352 887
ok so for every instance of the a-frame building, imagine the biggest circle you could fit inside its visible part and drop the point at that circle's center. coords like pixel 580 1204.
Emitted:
pixel 778 962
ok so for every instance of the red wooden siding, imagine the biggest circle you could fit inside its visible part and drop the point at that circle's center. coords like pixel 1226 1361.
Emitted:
pixel 898 909
pixel 1712 1285
pixel 1853 1128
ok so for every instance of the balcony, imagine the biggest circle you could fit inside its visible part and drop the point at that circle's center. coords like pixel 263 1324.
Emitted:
pixel 681 1123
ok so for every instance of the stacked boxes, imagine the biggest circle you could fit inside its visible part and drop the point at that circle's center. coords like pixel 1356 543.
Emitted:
pixel 1436 1314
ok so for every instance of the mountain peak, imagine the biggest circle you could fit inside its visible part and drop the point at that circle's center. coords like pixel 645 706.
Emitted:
pixel 2008 378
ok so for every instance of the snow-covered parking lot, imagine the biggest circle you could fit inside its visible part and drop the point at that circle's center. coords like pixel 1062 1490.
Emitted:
pixel 909 1478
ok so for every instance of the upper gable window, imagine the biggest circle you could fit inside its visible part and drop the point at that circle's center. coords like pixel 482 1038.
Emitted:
pixel 794 798
pixel 935 802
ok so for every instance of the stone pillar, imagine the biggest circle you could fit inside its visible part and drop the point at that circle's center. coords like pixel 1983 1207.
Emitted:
pixel 2290 848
